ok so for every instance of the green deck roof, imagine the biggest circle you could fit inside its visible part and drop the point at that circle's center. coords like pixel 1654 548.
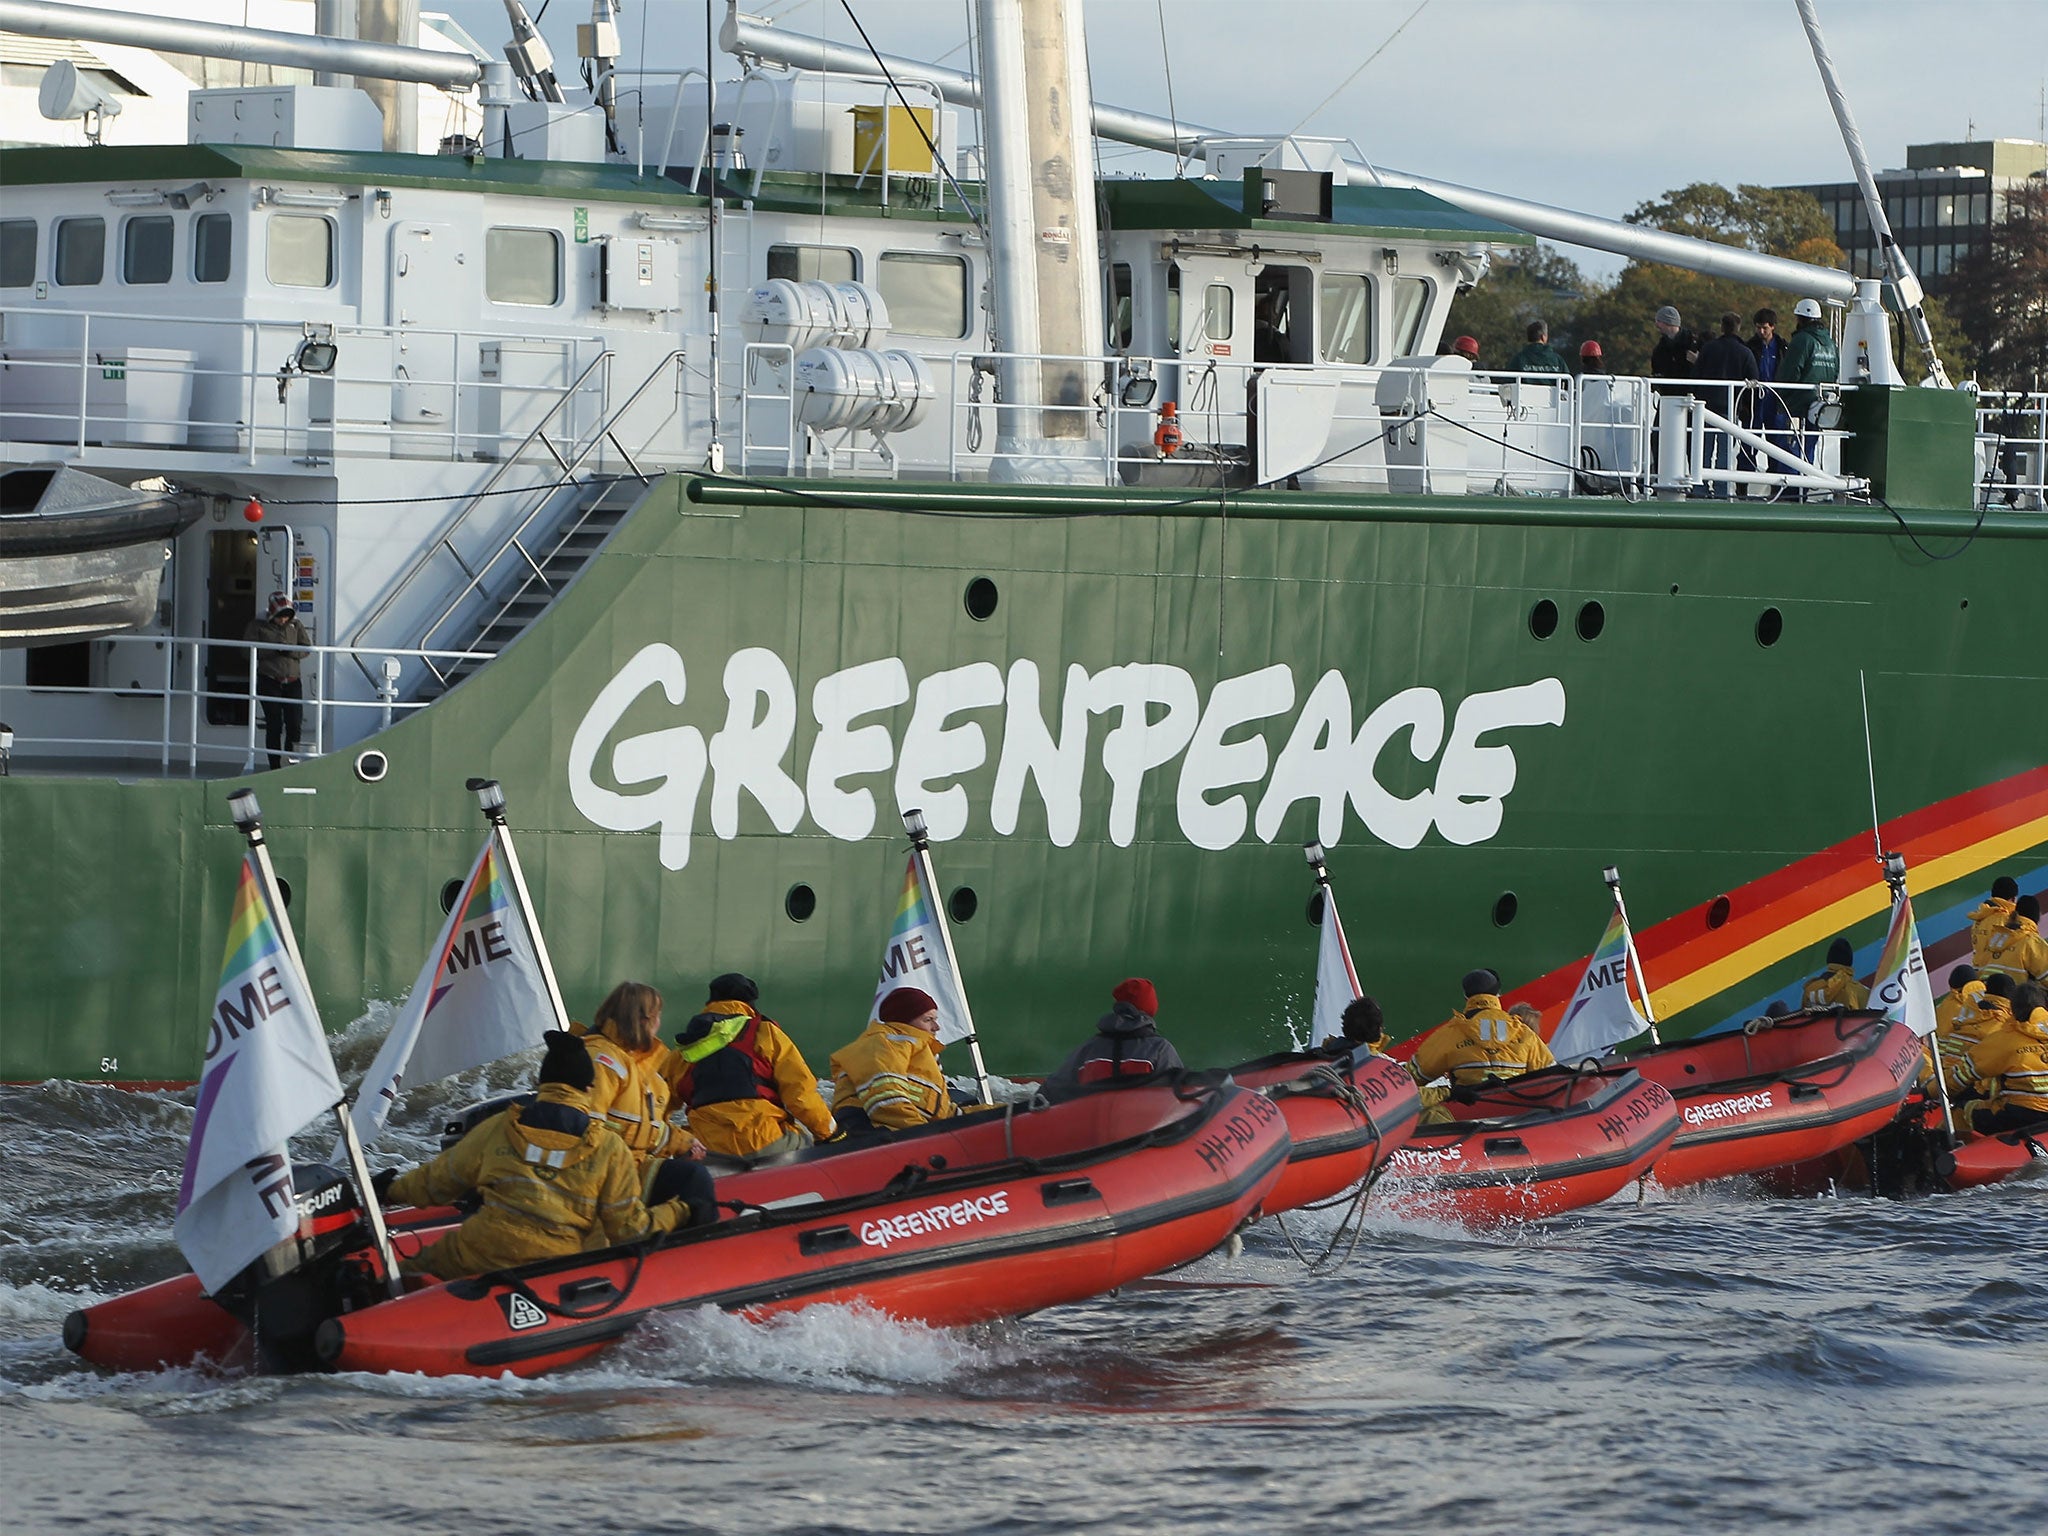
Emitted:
pixel 1219 204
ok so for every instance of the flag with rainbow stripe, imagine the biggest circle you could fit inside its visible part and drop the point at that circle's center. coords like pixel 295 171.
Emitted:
pixel 1601 1013
pixel 1900 986
pixel 267 1073
pixel 916 955
pixel 1336 976
pixel 481 996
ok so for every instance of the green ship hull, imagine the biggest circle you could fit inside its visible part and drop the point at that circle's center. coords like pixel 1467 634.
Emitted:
pixel 1524 691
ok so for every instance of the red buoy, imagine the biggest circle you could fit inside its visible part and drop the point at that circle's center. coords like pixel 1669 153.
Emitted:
pixel 252 510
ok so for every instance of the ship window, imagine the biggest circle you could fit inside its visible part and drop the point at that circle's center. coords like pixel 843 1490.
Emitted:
pixel 814 264
pixel 1217 318
pixel 1119 304
pixel 81 251
pixel 301 251
pixel 1346 319
pixel 926 295
pixel 1173 309
pixel 17 252
pixel 213 246
pixel 523 266
pixel 1411 308
pixel 146 249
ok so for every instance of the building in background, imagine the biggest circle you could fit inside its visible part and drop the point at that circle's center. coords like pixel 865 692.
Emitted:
pixel 1941 206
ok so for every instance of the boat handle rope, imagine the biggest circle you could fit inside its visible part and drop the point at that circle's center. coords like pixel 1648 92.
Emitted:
pixel 571 1314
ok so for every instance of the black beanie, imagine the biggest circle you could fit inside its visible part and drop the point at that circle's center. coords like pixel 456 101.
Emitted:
pixel 567 1061
pixel 1779 1009
pixel 2028 907
pixel 1961 977
pixel 1998 984
pixel 1839 953
pixel 1481 980
pixel 732 987
pixel 1363 1021
pixel 2004 888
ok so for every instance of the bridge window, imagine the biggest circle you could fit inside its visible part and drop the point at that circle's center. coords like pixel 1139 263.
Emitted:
pixel 17 252
pixel 814 264
pixel 301 251
pixel 1120 306
pixel 81 251
pixel 213 243
pixel 926 295
pixel 146 244
pixel 523 266
pixel 1218 311
pixel 1411 308
pixel 1346 322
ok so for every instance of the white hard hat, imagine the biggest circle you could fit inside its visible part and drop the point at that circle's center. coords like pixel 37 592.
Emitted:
pixel 1807 308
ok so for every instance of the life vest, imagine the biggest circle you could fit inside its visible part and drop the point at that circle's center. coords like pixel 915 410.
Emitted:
pixel 721 1061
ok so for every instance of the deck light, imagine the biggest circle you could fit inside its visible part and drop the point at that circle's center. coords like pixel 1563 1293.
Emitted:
pixel 1313 852
pixel 247 813
pixel 490 794
pixel 316 354
pixel 1611 875
pixel 914 824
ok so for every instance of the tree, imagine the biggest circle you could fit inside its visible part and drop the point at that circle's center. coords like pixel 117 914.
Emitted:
pixel 2000 296
pixel 1538 283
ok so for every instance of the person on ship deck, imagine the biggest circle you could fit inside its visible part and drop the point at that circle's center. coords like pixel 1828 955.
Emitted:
pixel 2011 1069
pixel 1482 1043
pixel 631 1092
pixel 554 1180
pixel 746 1087
pixel 1837 986
pixel 1126 1042
pixel 1539 356
pixel 888 1078
pixel 2017 949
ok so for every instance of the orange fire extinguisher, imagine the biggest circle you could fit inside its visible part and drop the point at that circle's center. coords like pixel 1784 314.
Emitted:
pixel 1168 438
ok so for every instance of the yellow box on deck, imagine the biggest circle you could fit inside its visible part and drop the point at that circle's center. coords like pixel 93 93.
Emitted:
pixel 907 148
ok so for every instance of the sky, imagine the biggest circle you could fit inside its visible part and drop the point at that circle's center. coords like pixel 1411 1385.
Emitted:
pixel 1589 104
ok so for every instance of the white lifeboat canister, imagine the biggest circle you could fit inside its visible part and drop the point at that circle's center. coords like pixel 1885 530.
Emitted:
pixel 786 313
pixel 865 315
pixel 865 390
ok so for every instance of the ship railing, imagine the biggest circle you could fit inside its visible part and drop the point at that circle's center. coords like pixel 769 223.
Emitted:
pixel 194 684
pixel 2012 449
pixel 88 378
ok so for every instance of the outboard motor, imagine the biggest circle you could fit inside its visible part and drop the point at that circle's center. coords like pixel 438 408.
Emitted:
pixel 286 1294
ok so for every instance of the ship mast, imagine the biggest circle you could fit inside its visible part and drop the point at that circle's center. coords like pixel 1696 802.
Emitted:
pixel 1038 143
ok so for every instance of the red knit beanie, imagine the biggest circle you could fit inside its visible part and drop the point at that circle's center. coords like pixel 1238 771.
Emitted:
pixel 1139 993
pixel 905 1004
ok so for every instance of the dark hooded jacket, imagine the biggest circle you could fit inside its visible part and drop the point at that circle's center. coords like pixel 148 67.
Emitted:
pixel 1122 1034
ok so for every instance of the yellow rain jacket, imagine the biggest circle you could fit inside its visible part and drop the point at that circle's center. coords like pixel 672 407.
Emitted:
pixel 1984 922
pixel 783 1087
pixel 631 1095
pixel 1835 987
pixel 892 1072
pixel 2018 950
pixel 2011 1067
pixel 1482 1044
pixel 1960 1022
pixel 554 1181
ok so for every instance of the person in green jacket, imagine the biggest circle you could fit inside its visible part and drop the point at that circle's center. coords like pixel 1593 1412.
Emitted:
pixel 1538 356
pixel 1810 358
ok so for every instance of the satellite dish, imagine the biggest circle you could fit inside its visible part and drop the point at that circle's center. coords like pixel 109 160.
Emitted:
pixel 67 95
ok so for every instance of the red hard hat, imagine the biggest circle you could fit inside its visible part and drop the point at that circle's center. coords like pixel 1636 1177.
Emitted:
pixel 1469 345
pixel 1589 349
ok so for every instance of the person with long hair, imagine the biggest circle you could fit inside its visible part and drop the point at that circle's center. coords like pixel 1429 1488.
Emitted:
pixel 630 1091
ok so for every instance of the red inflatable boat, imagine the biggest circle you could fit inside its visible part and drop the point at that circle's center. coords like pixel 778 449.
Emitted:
pixel 1911 1155
pixel 1796 1088
pixel 1534 1145
pixel 1346 1115
pixel 982 1216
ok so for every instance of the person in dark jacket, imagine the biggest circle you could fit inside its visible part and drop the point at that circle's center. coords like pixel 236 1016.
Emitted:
pixel 1538 356
pixel 1676 355
pixel 1768 414
pixel 1727 357
pixel 278 686
pixel 1128 1033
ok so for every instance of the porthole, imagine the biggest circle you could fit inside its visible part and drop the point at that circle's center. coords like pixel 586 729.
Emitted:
pixel 372 766
pixel 981 598
pixel 450 889
pixel 1315 910
pixel 1592 619
pixel 284 889
pixel 800 903
pixel 963 904
pixel 1770 624
pixel 1966 602
pixel 1674 589
pixel 1717 912
pixel 1543 619
pixel 1505 908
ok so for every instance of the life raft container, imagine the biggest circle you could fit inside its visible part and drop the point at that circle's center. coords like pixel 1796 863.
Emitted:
pixel 1346 1115
pixel 1534 1145
pixel 1796 1089
pixel 974 1217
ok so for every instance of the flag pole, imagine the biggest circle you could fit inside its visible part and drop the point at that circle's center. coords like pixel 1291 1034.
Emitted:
pixel 490 794
pixel 920 841
pixel 248 817
pixel 1612 875
pixel 1895 877
pixel 1313 853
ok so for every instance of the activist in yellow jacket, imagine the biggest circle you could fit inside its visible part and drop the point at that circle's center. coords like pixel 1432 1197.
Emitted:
pixel 891 1072
pixel 553 1180
pixel 2011 1068
pixel 631 1092
pixel 1988 918
pixel 1960 1022
pixel 1481 1044
pixel 745 1086
pixel 2017 950
pixel 1837 986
